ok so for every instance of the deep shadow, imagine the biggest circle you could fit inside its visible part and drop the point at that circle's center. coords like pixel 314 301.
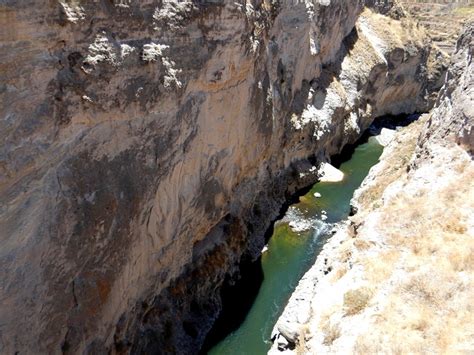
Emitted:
pixel 237 299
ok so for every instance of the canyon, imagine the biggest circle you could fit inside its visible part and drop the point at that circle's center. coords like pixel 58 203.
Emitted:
pixel 147 148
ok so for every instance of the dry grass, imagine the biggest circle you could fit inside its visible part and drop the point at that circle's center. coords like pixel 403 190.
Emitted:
pixel 380 268
pixel 430 309
pixel 428 314
pixel 331 333
pixel 338 273
pixel 413 253
pixel 362 244
pixel 421 278
pixel 436 225
pixel 356 300
pixel 464 11
pixel 345 251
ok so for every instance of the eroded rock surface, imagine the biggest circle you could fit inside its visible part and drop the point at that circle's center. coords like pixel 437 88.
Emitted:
pixel 147 146
pixel 398 276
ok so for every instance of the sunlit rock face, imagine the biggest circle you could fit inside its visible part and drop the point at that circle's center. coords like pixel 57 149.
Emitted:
pixel 146 147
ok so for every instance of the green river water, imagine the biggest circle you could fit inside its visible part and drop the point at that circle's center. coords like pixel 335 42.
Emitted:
pixel 291 254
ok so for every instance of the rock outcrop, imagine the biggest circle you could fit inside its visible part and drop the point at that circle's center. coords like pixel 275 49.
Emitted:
pixel 147 146
pixel 398 276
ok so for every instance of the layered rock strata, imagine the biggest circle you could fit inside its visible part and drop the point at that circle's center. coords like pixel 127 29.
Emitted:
pixel 147 146
pixel 398 276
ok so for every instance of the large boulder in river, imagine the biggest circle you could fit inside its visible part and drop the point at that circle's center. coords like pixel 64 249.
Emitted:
pixel 329 173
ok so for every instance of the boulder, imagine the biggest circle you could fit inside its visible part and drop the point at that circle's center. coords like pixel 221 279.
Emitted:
pixel 385 137
pixel 290 330
pixel 329 173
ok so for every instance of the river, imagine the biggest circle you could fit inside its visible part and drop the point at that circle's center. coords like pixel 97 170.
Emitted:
pixel 291 253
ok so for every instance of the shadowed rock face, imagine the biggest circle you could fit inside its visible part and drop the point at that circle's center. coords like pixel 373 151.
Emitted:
pixel 146 147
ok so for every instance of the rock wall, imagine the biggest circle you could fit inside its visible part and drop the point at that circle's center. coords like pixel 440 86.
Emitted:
pixel 147 146
pixel 397 277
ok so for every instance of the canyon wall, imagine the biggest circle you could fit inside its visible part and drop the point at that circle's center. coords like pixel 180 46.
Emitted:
pixel 147 146
pixel 398 276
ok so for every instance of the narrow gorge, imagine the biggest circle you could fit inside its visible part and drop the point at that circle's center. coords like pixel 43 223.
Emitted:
pixel 147 149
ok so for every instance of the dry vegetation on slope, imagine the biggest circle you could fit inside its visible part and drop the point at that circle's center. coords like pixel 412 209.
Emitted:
pixel 423 272
pixel 402 281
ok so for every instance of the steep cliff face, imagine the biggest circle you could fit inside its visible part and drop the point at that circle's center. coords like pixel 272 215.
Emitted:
pixel 146 147
pixel 398 276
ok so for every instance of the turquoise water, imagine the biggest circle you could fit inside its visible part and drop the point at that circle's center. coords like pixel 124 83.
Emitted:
pixel 291 254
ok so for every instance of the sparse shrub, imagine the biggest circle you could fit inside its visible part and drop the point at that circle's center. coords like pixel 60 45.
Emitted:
pixel 462 259
pixel 331 333
pixel 338 273
pixel 420 324
pixel 345 252
pixel 361 244
pixel 421 287
pixel 356 300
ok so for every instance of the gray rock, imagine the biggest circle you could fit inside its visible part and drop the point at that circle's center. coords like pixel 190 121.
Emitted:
pixel 290 331
pixel 385 137
pixel 282 343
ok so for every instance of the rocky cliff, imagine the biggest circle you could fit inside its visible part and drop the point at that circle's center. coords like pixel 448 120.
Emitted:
pixel 398 276
pixel 147 146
